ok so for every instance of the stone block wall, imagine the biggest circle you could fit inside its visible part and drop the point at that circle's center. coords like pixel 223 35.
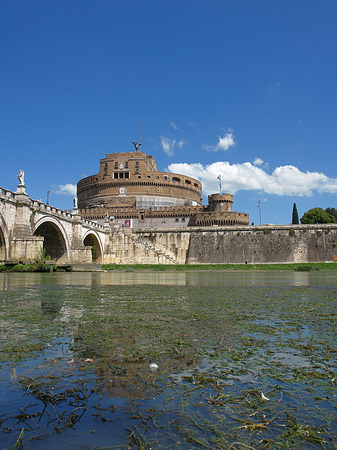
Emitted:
pixel 266 244
pixel 221 245
pixel 26 250
pixel 158 246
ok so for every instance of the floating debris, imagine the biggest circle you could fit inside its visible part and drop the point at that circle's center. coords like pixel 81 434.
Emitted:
pixel 90 360
pixel 264 398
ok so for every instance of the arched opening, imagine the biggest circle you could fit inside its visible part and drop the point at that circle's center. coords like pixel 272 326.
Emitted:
pixel 92 241
pixel 2 247
pixel 54 243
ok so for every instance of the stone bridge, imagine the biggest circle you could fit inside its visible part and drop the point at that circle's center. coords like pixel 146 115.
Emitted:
pixel 27 226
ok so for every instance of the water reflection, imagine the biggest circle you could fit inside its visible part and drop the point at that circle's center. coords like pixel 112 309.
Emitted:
pixel 165 278
pixel 76 350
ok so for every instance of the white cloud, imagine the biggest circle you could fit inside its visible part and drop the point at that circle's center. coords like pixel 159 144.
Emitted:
pixel 173 125
pixel 258 162
pixel 224 143
pixel 181 143
pixel 169 145
pixel 284 180
pixel 67 189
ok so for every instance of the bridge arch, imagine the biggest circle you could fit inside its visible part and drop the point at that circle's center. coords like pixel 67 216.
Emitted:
pixel 56 243
pixel 4 240
pixel 92 239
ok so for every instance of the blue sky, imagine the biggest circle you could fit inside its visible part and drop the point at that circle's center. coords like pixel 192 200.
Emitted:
pixel 245 89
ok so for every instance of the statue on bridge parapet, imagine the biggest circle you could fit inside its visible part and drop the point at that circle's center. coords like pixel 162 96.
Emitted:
pixel 21 188
pixel 21 178
pixel 75 202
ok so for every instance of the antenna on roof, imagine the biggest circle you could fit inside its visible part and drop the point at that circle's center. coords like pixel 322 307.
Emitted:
pixel 140 133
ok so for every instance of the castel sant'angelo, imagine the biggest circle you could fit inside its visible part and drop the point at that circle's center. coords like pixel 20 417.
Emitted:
pixel 130 190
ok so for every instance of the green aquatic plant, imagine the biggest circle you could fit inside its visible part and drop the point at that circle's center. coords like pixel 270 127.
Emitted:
pixel 236 364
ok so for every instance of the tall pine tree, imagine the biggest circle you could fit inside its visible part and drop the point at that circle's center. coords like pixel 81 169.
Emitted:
pixel 295 216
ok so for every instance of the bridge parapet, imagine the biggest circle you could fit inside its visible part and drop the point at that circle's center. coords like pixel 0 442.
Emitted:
pixel 6 193
pixel 41 206
pixel 93 224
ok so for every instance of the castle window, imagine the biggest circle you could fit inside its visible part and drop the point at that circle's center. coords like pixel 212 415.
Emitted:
pixel 137 163
pixel 121 175
pixel 127 165
pixel 126 175
pixel 115 175
pixel 176 179
pixel 116 165
pixel 187 182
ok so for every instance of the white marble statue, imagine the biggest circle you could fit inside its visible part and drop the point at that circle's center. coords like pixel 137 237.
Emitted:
pixel 21 178
pixel 75 203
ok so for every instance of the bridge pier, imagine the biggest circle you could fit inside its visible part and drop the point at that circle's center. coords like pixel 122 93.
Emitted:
pixel 23 245
pixel 80 253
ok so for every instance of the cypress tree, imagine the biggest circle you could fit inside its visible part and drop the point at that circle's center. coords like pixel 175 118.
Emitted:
pixel 295 216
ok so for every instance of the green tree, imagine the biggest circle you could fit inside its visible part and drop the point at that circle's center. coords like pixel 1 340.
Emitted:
pixel 317 215
pixel 295 216
pixel 332 212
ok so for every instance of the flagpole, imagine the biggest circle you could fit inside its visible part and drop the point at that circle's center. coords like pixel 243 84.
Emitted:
pixel 219 178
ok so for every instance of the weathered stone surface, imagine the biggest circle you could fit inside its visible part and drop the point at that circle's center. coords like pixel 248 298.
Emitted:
pixel 264 244
pixel 216 245
pixel 26 226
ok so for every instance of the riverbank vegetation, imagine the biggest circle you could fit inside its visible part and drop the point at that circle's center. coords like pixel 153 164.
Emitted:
pixel 299 267
pixel 42 263
pixel 34 267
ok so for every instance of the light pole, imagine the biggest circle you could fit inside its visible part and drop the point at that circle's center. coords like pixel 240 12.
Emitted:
pixel 259 206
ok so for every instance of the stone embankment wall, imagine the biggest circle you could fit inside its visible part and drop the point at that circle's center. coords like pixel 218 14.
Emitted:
pixel 148 247
pixel 207 245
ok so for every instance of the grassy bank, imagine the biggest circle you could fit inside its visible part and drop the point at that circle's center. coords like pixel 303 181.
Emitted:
pixel 303 267
pixel 35 267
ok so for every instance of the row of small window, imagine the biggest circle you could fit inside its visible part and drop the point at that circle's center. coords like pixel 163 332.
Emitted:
pixel 121 175
pixel 126 164
pixel 120 166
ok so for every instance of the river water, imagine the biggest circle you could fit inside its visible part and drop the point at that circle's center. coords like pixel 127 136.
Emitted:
pixel 116 360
